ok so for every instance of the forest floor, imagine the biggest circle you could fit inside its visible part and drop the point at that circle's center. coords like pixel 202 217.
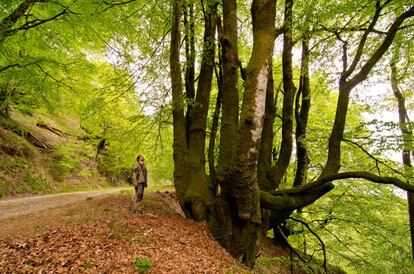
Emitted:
pixel 95 232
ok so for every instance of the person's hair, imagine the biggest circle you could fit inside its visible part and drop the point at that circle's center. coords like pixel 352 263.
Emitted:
pixel 139 157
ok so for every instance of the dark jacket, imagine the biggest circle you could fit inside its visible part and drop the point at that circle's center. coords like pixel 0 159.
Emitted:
pixel 138 168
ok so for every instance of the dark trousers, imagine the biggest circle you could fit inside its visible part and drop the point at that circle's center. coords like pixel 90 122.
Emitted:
pixel 136 200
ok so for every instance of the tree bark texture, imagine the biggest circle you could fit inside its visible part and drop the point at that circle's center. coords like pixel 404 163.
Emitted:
pixel 198 196
pixel 194 190
pixel 7 23
pixel 214 126
pixel 264 166
pixel 244 190
pixel 189 40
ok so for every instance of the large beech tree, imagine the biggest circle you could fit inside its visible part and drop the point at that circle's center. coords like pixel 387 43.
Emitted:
pixel 240 198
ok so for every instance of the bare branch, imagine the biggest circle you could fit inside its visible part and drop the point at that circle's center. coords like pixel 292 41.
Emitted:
pixel 316 235
pixel 373 157
pixel 23 65
pixel 10 66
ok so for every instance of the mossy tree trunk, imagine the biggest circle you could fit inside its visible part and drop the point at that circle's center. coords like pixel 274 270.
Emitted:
pixel 242 188
pixel 236 202
pixel 192 184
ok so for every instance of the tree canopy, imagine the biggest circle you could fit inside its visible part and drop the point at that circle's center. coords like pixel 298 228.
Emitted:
pixel 259 111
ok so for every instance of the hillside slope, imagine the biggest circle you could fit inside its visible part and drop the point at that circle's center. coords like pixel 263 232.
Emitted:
pixel 41 154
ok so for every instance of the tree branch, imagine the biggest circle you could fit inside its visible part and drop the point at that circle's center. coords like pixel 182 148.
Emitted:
pixel 10 66
pixel 348 175
pixel 20 65
pixel 373 157
pixel 288 201
pixel 380 51
pixel 361 44
pixel 316 235
pixel 116 3
pixel 32 24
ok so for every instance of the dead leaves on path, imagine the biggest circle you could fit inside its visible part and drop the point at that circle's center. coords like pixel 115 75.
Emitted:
pixel 102 235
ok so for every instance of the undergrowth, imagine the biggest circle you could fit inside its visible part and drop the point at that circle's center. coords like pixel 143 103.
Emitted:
pixel 142 265
pixel 26 169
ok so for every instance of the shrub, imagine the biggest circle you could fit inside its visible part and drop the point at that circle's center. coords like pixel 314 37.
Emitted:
pixel 142 265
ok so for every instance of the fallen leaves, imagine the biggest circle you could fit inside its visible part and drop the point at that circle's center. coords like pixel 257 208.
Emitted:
pixel 102 235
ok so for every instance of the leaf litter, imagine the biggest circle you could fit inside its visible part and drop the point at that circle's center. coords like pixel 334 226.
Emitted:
pixel 102 235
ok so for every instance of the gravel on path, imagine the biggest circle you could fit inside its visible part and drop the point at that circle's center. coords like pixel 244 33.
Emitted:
pixel 12 207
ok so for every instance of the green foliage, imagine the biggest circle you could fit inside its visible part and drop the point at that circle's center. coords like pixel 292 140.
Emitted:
pixel 92 77
pixel 103 65
pixel 142 265
pixel 364 227
pixel 71 158
pixel 18 175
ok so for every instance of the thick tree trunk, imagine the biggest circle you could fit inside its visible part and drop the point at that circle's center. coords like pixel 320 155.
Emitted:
pixel 221 220
pixel 194 189
pixel 235 212
pixel 198 197
pixel 244 217
pixel 190 63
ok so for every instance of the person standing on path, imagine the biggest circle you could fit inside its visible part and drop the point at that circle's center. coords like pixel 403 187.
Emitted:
pixel 140 182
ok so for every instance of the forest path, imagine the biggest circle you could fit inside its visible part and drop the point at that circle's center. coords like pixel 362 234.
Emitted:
pixel 11 207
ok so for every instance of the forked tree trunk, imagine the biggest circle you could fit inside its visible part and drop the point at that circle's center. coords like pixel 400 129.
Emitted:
pixel 239 206
pixel 193 187
pixel 234 209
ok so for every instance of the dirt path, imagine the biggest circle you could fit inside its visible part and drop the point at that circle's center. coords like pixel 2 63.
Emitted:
pixel 23 206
